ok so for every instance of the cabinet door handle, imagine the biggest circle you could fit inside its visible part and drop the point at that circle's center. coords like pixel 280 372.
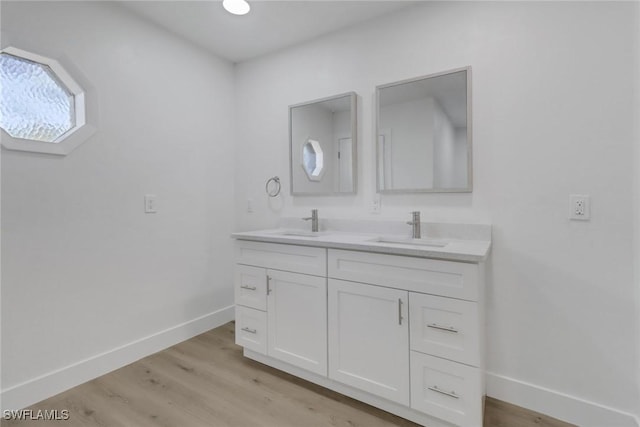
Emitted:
pixel 399 311
pixel 268 284
pixel 446 393
pixel 442 328
pixel 251 288
pixel 251 331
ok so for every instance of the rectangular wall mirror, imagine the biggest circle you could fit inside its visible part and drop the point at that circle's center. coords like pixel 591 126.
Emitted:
pixel 424 134
pixel 322 146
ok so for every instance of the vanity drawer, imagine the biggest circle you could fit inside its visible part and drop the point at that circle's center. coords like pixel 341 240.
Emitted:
pixel 250 285
pixel 445 327
pixel 251 329
pixel 446 278
pixel 297 259
pixel 447 390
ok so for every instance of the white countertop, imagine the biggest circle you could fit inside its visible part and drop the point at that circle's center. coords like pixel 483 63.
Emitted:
pixel 454 250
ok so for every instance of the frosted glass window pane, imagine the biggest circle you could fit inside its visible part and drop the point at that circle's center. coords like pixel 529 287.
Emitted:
pixel 309 158
pixel 312 159
pixel 34 104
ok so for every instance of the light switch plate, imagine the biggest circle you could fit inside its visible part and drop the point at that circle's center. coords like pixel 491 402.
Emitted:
pixel 376 204
pixel 150 203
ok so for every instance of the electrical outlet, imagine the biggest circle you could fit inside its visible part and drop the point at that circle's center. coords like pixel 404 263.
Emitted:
pixel 376 204
pixel 249 205
pixel 150 203
pixel 579 207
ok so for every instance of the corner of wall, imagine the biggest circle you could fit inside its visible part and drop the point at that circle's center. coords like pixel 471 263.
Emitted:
pixel 52 383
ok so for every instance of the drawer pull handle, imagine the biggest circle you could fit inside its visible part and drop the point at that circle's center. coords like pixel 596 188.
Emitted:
pixel 268 285
pixel 399 311
pixel 251 331
pixel 443 328
pixel 251 288
pixel 446 393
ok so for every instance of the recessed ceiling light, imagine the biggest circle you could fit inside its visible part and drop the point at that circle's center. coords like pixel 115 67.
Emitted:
pixel 237 7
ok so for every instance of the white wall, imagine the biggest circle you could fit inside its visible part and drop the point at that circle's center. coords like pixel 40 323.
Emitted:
pixel 553 114
pixel 84 270
pixel 636 178
pixel 636 191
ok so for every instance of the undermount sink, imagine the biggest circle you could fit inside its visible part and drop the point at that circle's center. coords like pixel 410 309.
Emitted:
pixel 410 241
pixel 300 233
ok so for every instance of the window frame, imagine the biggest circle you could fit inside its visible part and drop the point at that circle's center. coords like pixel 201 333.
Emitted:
pixel 70 140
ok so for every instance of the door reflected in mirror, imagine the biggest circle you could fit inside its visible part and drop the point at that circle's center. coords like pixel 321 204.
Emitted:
pixel 424 134
pixel 322 141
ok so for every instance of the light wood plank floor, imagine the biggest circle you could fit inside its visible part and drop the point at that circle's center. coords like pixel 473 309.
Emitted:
pixel 205 381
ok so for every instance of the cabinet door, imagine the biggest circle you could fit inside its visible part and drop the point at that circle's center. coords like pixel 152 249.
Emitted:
pixel 369 339
pixel 297 319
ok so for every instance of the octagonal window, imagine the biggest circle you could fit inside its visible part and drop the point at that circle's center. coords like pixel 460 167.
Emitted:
pixel 35 104
pixel 42 108
pixel 313 159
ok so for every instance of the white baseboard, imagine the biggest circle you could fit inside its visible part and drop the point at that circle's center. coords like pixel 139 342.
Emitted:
pixel 52 383
pixel 557 405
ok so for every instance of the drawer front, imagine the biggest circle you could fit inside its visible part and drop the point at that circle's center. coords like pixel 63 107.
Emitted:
pixel 297 259
pixel 251 329
pixel 447 390
pixel 445 327
pixel 446 278
pixel 250 285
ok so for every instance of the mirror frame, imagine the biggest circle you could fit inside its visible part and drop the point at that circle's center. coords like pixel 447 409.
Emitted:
pixel 469 187
pixel 353 97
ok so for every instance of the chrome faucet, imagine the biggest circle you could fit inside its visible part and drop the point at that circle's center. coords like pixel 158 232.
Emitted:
pixel 314 220
pixel 415 223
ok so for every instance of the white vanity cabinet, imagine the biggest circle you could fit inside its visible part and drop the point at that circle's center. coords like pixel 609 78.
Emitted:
pixel 282 314
pixel 403 333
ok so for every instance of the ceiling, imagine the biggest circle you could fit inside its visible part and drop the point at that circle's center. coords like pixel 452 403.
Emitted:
pixel 270 26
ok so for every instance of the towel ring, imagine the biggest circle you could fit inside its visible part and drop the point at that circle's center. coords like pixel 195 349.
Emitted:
pixel 273 190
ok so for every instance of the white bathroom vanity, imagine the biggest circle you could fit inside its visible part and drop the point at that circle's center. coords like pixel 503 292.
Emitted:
pixel 392 321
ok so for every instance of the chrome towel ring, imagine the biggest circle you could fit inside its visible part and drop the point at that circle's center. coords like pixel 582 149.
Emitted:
pixel 272 187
